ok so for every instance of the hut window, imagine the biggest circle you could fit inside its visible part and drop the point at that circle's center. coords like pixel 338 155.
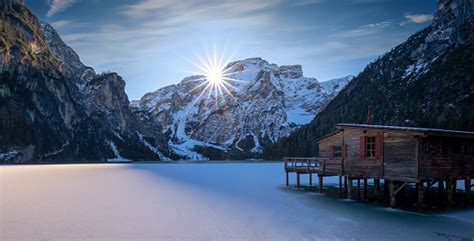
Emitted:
pixel 370 146
pixel 337 151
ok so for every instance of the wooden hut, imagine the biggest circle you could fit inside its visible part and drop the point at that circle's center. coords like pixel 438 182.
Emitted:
pixel 399 156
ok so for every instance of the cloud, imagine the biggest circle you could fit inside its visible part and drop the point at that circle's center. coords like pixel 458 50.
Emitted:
pixel 147 8
pixel 298 3
pixel 364 30
pixel 58 6
pixel 66 24
pixel 419 18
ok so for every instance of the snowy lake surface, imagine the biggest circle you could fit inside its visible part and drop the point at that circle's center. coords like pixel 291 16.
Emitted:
pixel 209 201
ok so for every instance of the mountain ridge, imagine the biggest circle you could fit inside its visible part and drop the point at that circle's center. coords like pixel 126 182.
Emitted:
pixel 245 126
pixel 424 82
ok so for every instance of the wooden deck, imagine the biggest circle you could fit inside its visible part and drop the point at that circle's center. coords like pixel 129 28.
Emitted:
pixel 302 165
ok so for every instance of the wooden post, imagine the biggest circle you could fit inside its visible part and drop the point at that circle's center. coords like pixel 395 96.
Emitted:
pixel 386 192
pixel 320 183
pixel 420 192
pixel 340 184
pixel 345 185
pixel 376 188
pixel 440 190
pixel 358 189
pixel 393 199
pixel 449 190
pixel 467 187
pixel 310 179
pixel 298 180
pixel 349 192
pixel 455 187
pixel 365 189
pixel 287 181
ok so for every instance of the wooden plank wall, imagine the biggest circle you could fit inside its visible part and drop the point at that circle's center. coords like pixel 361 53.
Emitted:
pixel 442 157
pixel 355 165
pixel 333 167
pixel 400 155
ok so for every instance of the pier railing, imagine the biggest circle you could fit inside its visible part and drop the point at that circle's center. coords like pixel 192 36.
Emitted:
pixel 304 164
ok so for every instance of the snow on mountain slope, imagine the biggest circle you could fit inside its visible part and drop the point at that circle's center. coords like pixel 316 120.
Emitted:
pixel 268 103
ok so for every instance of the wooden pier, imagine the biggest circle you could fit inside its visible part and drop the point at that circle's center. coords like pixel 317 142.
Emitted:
pixel 397 156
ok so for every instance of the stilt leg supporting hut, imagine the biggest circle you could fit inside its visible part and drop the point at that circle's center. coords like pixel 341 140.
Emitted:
pixel 345 185
pixel 298 184
pixel 449 190
pixel 467 187
pixel 420 190
pixel 320 183
pixel 349 190
pixel 394 189
pixel 376 188
pixel 365 190
pixel 358 188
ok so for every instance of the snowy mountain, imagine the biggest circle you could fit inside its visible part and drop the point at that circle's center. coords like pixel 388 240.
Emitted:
pixel 268 103
pixel 426 81
pixel 53 108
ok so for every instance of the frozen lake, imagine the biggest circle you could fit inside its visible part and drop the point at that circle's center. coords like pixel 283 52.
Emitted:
pixel 231 201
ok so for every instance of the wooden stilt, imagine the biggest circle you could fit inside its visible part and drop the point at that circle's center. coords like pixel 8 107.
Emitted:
pixel 310 179
pixel 349 192
pixel 340 184
pixel 449 190
pixel 358 188
pixel 386 192
pixel 345 185
pixel 420 192
pixel 467 187
pixel 365 189
pixel 393 199
pixel 298 180
pixel 455 187
pixel 440 190
pixel 287 181
pixel 320 183
pixel 376 188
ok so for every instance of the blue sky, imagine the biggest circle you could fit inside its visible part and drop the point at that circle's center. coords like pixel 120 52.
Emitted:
pixel 149 42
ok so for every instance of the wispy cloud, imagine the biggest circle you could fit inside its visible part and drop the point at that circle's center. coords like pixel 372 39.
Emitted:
pixel 364 30
pixel 419 18
pixel 67 24
pixel 305 2
pixel 147 8
pixel 58 6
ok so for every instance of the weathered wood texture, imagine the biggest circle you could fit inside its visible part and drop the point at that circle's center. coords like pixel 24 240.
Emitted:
pixel 333 165
pixel 355 164
pixel 446 157
pixel 400 155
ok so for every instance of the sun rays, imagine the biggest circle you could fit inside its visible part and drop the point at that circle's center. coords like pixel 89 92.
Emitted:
pixel 215 75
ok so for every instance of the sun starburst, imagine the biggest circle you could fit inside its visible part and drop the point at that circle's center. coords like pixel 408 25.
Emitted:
pixel 217 73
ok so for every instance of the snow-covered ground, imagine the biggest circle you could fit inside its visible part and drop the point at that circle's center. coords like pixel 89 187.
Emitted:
pixel 231 201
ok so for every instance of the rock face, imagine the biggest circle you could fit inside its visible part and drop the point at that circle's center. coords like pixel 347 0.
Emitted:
pixel 267 103
pixel 54 108
pixel 425 82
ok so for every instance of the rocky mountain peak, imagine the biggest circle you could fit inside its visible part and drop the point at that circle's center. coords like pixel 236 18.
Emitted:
pixel 291 71
pixel 70 62
pixel 267 102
